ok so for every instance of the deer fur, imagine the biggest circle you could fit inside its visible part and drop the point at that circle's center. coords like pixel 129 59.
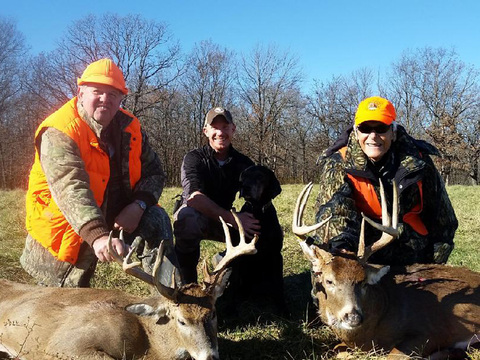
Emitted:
pixel 64 323
pixel 77 323
pixel 420 309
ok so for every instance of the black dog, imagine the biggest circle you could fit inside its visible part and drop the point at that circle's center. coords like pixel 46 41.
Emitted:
pixel 259 277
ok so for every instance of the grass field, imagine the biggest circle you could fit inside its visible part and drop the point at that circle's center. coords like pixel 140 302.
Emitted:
pixel 254 334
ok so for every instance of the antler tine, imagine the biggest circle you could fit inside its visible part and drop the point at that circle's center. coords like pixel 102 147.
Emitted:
pixel 301 203
pixel 298 228
pixel 385 214
pixel 361 241
pixel 395 206
pixel 127 261
pixel 168 292
pixel 130 268
pixel 388 227
pixel 243 248
pixel 241 230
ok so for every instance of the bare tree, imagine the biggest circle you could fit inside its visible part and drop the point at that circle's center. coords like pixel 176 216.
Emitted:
pixel 266 79
pixel 400 89
pixel 325 106
pixel 302 142
pixel 471 134
pixel 448 91
pixel 166 130
pixel 11 65
pixel 333 104
pixel 207 82
pixel 143 50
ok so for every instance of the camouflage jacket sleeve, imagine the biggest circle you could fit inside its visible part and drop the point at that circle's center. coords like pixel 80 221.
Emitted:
pixel 336 198
pixel 69 184
pixel 438 214
pixel 151 184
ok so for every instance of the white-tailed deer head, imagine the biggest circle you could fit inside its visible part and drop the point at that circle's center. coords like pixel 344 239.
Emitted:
pixel 179 323
pixel 406 311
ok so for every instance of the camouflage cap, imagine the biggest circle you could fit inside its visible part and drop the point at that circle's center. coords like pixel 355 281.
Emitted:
pixel 218 111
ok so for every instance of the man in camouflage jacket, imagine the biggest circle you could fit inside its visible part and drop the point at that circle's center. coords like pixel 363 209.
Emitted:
pixel 94 171
pixel 376 148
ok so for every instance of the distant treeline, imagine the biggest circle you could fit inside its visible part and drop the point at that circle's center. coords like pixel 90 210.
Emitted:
pixel 279 123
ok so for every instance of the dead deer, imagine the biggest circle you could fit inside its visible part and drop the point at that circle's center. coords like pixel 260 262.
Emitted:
pixel 421 309
pixel 65 323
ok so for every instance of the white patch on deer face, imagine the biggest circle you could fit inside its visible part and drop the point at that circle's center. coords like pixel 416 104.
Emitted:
pixel 199 335
pixel 341 307
pixel 182 354
pixel 350 315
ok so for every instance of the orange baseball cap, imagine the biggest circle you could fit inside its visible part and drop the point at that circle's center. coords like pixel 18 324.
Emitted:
pixel 375 108
pixel 104 71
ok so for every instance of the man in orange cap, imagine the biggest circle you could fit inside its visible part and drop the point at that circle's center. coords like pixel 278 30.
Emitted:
pixel 94 171
pixel 376 147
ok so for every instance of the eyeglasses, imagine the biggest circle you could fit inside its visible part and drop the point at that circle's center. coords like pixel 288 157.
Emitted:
pixel 378 129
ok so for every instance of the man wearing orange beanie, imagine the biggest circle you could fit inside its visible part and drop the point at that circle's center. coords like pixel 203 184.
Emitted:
pixel 374 148
pixel 94 171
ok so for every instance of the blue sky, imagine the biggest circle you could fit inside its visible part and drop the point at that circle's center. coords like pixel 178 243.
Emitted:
pixel 328 37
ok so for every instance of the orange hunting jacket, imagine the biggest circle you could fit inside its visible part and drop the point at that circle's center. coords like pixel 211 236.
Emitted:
pixel 367 201
pixel 44 220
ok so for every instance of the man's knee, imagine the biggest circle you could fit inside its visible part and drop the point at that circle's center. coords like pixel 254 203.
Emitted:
pixel 49 271
pixel 155 226
pixel 189 222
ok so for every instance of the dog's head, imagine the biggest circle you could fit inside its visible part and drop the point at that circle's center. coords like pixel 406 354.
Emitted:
pixel 259 185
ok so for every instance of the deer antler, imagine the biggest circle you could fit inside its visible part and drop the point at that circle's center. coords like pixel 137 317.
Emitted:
pixel 243 248
pixel 298 228
pixel 388 227
pixel 131 268
pixel 168 292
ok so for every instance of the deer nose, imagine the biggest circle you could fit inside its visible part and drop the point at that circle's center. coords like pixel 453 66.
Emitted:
pixel 353 318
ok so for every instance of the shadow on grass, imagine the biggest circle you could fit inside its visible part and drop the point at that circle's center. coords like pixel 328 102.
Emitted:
pixel 297 290
pixel 255 331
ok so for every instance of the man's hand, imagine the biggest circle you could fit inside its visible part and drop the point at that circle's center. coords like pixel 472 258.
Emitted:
pixel 250 224
pixel 129 218
pixel 100 247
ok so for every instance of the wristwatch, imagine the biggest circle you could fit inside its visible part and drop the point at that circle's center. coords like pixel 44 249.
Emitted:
pixel 142 204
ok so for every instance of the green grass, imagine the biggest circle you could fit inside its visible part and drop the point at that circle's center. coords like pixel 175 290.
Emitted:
pixel 253 335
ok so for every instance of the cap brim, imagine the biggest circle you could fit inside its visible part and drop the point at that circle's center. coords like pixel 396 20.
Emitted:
pixel 104 80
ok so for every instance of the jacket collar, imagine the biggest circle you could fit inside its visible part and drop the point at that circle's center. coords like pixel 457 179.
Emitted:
pixel 121 120
pixel 211 153
pixel 406 152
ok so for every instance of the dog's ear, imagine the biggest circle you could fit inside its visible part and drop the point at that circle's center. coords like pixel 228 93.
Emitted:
pixel 274 186
pixel 243 174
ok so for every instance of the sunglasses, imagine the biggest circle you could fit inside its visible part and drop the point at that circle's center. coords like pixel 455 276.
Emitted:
pixel 378 129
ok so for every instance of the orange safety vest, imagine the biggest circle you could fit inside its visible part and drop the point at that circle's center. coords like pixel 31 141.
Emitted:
pixel 366 201
pixel 44 220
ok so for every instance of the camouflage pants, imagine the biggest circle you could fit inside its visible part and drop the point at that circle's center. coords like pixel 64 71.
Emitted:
pixel 190 227
pixel 154 227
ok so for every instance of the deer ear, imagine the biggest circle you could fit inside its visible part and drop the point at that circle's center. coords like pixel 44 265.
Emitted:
pixel 151 307
pixel 318 257
pixel 146 310
pixel 307 251
pixel 221 283
pixel 375 273
pixel 323 256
